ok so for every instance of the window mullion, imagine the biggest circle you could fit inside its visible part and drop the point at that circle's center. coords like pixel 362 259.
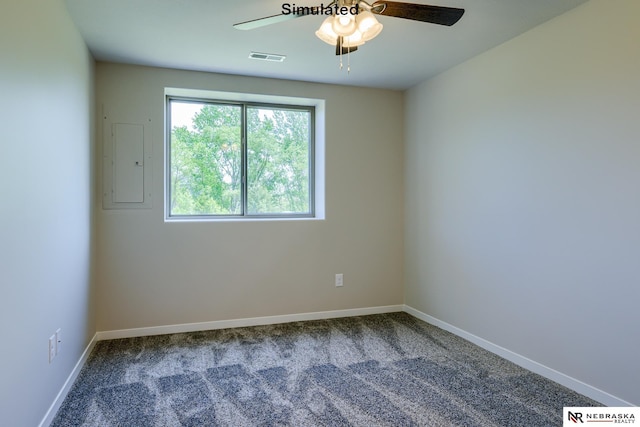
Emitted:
pixel 243 161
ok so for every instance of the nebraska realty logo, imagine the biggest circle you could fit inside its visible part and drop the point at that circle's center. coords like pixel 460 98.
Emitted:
pixel 608 415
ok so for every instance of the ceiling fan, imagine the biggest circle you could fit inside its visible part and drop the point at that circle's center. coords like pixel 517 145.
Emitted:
pixel 350 23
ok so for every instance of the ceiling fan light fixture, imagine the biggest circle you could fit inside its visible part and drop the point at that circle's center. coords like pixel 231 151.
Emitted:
pixel 326 33
pixel 344 25
pixel 355 39
pixel 368 25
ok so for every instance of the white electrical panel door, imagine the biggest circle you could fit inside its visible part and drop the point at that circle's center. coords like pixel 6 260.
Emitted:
pixel 128 163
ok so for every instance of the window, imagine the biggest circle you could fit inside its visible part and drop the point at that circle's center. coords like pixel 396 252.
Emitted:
pixel 239 159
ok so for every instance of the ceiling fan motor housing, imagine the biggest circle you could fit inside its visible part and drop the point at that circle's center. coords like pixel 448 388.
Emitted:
pixel 348 3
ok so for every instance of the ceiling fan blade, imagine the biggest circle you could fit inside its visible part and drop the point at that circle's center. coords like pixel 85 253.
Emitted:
pixel 286 15
pixel 262 22
pixel 418 12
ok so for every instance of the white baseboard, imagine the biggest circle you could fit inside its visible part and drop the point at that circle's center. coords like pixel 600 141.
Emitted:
pixel 53 409
pixel 533 366
pixel 203 326
pixel 576 385
pixel 240 323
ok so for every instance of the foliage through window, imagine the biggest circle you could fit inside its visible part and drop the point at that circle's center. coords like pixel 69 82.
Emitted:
pixel 239 160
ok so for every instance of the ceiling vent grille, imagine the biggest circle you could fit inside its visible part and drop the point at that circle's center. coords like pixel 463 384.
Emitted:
pixel 273 57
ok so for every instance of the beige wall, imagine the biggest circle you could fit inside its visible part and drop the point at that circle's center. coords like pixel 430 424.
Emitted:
pixel 152 273
pixel 45 218
pixel 522 201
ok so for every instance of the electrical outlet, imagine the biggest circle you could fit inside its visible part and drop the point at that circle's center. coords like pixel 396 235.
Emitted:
pixel 339 280
pixel 58 340
pixel 52 347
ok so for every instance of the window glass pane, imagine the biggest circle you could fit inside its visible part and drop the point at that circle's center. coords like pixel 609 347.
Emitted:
pixel 206 158
pixel 278 161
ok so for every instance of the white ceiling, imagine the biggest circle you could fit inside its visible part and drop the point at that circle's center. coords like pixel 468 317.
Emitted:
pixel 198 35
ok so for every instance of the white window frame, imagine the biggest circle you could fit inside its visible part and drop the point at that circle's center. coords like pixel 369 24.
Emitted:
pixel 317 157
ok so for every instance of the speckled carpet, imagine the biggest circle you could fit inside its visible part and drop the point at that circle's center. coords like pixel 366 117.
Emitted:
pixel 379 370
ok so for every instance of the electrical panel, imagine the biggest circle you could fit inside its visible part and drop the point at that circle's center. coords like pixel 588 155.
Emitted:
pixel 126 165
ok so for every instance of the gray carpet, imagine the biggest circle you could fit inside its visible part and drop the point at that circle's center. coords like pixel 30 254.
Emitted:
pixel 379 370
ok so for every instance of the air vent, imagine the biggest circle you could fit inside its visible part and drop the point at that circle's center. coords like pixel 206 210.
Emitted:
pixel 273 57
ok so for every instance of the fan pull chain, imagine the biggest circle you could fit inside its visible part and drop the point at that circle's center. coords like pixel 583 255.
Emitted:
pixel 341 47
